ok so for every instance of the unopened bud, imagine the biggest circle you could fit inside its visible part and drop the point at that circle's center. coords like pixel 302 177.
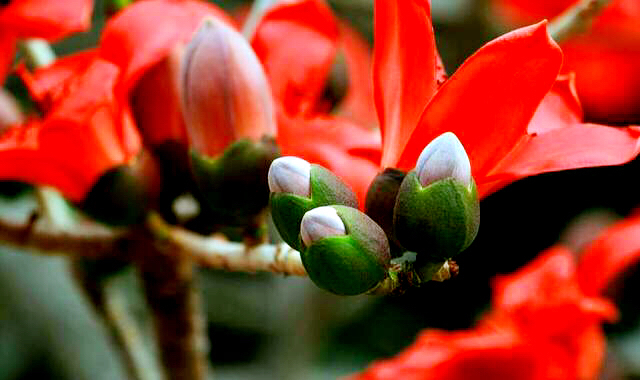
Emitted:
pixel 225 92
pixel 297 187
pixel 343 250
pixel 321 222
pixel 380 201
pixel 437 210
pixel 444 157
pixel 290 175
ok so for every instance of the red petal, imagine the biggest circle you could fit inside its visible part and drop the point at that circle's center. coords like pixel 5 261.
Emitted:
pixel 85 134
pixel 576 146
pixel 404 70
pixel 44 18
pixel 344 148
pixel 490 100
pixel 616 250
pixel 46 85
pixel 144 33
pixel 7 50
pixel 296 42
pixel 559 108
pixel 358 102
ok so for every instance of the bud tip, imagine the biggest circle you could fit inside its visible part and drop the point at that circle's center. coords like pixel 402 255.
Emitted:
pixel 290 175
pixel 444 157
pixel 321 222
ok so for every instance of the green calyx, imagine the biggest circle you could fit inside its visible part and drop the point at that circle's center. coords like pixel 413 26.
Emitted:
pixel 118 198
pixel 436 221
pixel 234 185
pixel 288 209
pixel 349 264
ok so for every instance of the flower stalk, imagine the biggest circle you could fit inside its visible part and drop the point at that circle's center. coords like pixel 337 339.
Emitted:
pixel 576 20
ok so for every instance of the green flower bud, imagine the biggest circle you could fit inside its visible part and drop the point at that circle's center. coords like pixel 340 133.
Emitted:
pixel 297 187
pixel 381 199
pixel 234 185
pixel 344 251
pixel 437 210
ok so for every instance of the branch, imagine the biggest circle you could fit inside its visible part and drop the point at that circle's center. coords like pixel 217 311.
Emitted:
pixel 215 252
pixel 82 241
pixel 576 20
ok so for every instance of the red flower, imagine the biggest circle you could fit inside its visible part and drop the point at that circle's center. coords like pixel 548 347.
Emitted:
pixel 605 59
pixel 51 20
pixel 488 103
pixel 144 41
pixel 542 326
pixel 86 130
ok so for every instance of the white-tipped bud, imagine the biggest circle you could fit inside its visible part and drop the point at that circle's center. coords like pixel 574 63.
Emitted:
pixel 321 222
pixel 444 157
pixel 225 91
pixel 290 175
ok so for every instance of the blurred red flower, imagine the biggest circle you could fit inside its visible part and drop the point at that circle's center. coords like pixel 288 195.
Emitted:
pixel 542 325
pixel 50 20
pixel 85 131
pixel 605 58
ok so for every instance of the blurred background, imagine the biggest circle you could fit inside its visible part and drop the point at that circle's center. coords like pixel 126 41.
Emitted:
pixel 264 326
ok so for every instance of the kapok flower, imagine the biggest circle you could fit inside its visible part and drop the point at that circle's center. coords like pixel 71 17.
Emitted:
pixel 145 41
pixel 86 132
pixel 498 102
pixel 605 58
pixel 542 325
pixel 50 20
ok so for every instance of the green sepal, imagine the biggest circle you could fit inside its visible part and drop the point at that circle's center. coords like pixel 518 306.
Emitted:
pixel 118 198
pixel 234 185
pixel 288 209
pixel 439 220
pixel 350 264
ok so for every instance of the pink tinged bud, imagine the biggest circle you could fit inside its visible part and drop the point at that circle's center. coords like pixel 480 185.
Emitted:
pixel 321 222
pixel 225 92
pixel 10 113
pixel 443 158
pixel 290 175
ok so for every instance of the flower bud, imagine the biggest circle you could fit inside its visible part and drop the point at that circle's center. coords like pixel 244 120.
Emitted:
pixel 290 175
pixel 297 187
pixel 437 210
pixel 229 117
pixel 225 92
pixel 344 251
pixel 10 113
pixel 380 201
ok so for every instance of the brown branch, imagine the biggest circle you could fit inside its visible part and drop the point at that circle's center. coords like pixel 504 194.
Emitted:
pixel 168 281
pixel 218 253
pixel 82 241
pixel 576 20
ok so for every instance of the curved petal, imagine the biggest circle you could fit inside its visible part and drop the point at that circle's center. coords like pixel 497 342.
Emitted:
pixel 86 133
pixel 617 249
pixel 404 70
pixel 144 33
pixel 576 146
pixel 46 85
pixel 7 51
pixel 344 148
pixel 490 100
pixel 559 108
pixel 47 19
pixel 296 42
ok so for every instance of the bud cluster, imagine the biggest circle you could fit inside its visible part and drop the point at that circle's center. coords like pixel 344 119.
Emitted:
pixel 432 211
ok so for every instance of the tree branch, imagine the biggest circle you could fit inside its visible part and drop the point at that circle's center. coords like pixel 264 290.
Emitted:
pixel 576 20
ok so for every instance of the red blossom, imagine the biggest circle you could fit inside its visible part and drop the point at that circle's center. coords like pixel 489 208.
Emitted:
pixel 51 20
pixel 498 102
pixel 85 131
pixel 542 326
pixel 605 58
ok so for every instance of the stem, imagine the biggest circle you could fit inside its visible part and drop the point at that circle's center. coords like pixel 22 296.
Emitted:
pixel 215 252
pixel 576 20
pixel 258 9
pixel 168 281
pixel 109 303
